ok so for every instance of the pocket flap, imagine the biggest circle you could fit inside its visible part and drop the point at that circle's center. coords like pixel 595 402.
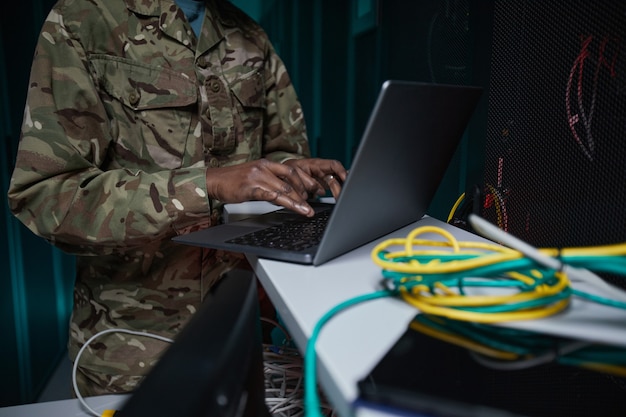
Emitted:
pixel 250 90
pixel 142 87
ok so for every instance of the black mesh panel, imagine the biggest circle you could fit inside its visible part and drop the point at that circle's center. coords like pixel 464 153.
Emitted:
pixel 555 162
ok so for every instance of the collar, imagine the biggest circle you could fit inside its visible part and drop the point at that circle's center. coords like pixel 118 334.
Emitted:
pixel 144 7
pixel 212 33
pixel 212 30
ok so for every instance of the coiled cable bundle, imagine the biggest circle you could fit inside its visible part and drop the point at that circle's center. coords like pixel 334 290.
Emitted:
pixel 462 287
pixel 448 278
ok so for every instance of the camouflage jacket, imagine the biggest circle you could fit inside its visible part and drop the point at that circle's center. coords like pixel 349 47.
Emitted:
pixel 126 108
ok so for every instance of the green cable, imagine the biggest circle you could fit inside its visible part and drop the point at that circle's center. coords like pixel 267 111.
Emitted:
pixel 600 300
pixel 311 399
pixel 525 343
pixel 397 280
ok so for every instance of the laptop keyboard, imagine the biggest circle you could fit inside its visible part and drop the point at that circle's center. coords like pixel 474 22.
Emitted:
pixel 294 235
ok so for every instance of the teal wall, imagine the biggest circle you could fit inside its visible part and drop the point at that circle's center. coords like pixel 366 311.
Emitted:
pixel 35 278
pixel 338 53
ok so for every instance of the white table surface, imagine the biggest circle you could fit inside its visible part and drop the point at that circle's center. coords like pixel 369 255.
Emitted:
pixel 353 342
pixel 65 408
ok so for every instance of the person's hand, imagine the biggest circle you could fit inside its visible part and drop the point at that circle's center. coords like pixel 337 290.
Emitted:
pixel 318 174
pixel 288 185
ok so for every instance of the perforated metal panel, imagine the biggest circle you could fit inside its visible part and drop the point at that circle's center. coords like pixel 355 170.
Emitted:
pixel 555 165
pixel 555 157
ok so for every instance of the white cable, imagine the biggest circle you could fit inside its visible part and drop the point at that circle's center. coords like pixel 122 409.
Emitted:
pixel 278 325
pixel 283 375
pixel 88 342
pixel 284 382
pixel 494 233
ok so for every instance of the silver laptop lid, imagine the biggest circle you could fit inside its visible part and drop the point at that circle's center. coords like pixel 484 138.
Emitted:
pixel 408 143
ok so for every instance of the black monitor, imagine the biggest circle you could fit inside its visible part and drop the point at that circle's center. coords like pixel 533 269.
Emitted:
pixel 215 366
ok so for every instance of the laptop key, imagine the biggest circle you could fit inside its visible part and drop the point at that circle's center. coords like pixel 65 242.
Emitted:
pixel 296 235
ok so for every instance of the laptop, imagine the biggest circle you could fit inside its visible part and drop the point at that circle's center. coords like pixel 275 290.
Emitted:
pixel 409 140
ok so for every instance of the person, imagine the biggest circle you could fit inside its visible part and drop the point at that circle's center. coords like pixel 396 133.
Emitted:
pixel 137 129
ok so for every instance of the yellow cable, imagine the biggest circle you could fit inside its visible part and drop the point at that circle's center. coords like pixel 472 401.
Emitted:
pixel 455 207
pixel 477 300
pixel 530 314
pixel 418 257
pixel 498 253
pixel 441 257
pixel 463 342
pixel 496 203
pixel 490 254
pixel 606 368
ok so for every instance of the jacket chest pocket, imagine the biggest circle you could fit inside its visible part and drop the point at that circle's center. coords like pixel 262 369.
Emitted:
pixel 150 111
pixel 249 119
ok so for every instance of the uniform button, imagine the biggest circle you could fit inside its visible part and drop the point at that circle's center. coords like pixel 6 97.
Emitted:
pixel 207 113
pixel 133 98
pixel 215 86
pixel 214 163
pixel 202 62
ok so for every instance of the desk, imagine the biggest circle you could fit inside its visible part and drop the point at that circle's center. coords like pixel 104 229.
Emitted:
pixel 353 342
pixel 65 408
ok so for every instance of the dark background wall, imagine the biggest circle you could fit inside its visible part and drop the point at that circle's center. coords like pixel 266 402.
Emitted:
pixel 35 279
pixel 338 54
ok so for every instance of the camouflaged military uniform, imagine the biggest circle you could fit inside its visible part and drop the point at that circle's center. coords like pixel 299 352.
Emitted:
pixel 126 108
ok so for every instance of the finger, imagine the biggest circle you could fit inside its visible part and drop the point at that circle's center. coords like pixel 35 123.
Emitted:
pixel 315 174
pixel 288 188
pixel 301 207
pixel 294 180
pixel 333 184
pixel 277 185
pixel 332 167
pixel 283 199
pixel 311 185
pixel 339 171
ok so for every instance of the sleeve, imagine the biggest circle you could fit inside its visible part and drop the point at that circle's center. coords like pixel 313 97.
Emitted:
pixel 60 188
pixel 285 135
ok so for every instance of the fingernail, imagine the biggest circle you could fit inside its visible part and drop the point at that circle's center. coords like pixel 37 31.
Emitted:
pixel 304 208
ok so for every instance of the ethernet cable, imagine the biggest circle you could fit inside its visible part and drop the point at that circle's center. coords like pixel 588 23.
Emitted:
pixel 106 413
pixel 507 349
pixel 441 276
pixel 524 283
pixel 282 369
